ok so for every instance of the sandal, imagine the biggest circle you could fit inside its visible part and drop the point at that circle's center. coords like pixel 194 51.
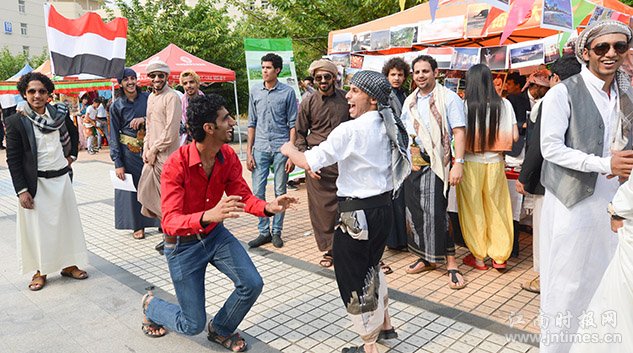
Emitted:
pixel 327 260
pixel 388 334
pixel 414 269
pixel 470 260
pixel 149 328
pixel 139 234
pixel 359 349
pixel 386 269
pixel 74 272
pixel 453 272
pixel 231 343
pixel 499 266
pixel 533 286
pixel 37 282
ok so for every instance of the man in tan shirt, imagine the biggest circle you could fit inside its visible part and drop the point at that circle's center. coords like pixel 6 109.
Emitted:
pixel 164 111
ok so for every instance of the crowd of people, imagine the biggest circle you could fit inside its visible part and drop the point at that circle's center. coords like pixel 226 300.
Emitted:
pixel 385 168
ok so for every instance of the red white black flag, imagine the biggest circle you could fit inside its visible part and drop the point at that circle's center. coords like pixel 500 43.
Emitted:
pixel 85 45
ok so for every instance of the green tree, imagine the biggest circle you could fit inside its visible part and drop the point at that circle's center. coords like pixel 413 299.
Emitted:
pixel 10 64
pixel 203 30
pixel 308 22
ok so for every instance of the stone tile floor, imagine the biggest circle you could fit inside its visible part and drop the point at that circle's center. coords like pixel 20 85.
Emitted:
pixel 299 309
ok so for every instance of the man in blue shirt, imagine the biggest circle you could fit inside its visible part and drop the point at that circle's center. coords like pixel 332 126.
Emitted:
pixel 272 111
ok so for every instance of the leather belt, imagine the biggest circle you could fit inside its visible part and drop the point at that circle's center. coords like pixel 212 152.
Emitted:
pixel 184 238
pixel 352 204
pixel 52 173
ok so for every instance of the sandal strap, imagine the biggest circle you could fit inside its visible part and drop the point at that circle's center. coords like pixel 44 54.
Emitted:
pixel 231 342
pixel 418 261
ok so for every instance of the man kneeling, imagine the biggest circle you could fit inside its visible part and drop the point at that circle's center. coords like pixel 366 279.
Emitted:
pixel 194 179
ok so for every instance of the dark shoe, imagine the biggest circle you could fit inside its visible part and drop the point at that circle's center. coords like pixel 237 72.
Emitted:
pixel 277 241
pixel 160 247
pixel 387 334
pixel 2 147
pixel 292 186
pixel 260 240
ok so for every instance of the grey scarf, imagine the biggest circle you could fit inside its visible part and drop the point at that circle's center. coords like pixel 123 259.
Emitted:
pixel 58 113
pixel 400 163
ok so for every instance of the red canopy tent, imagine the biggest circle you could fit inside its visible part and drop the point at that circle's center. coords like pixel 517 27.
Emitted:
pixel 179 61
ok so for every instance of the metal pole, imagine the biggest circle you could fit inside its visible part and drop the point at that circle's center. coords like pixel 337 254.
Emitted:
pixel 237 113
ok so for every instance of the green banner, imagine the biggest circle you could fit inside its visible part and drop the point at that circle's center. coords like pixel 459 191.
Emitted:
pixel 255 48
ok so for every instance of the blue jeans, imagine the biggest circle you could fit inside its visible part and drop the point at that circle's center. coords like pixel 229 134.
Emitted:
pixel 263 162
pixel 187 266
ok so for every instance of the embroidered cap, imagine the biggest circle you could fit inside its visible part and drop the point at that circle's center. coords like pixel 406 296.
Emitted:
pixel 323 64
pixel 374 84
pixel 158 66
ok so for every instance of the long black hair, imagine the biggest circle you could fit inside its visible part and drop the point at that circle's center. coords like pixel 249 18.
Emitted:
pixel 481 96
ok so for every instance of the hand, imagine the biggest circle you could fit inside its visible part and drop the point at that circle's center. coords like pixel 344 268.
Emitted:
pixel 70 161
pixel 621 163
pixel 26 201
pixel 289 166
pixel 312 174
pixel 149 157
pixel 228 207
pixel 250 162
pixel 120 173
pixel 520 188
pixel 136 123
pixel 616 224
pixel 456 174
pixel 287 148
pixel 281 203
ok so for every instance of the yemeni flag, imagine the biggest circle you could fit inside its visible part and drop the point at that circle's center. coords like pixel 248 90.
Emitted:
pixel 85 45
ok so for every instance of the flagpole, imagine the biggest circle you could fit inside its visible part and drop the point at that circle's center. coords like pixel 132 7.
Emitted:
pixel 237 113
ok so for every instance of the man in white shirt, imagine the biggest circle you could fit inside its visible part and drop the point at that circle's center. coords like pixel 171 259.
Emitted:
pixel 583 135
pixel 365 184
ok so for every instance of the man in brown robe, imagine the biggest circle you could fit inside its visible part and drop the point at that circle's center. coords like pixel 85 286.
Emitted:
pixel 319 114
pixel 164 111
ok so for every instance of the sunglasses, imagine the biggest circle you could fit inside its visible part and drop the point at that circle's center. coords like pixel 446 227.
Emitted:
pixel 326 77
pixel 603 48
pixel 159 75
pixel 41 91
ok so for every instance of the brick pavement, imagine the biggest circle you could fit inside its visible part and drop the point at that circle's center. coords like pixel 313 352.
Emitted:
pixel 299 310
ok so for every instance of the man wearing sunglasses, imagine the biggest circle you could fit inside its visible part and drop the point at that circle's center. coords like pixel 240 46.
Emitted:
pixel 586 144
pixel 319 114
pixel 42 144
pixel 164 112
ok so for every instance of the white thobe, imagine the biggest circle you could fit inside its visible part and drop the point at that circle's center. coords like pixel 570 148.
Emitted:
pixel 612 305
pixel 576 244
pixel 50 236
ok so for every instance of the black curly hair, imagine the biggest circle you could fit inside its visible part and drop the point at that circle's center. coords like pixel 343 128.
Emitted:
pixel 398 64
pixel 23 83
pixel 202 110
pixel 275 59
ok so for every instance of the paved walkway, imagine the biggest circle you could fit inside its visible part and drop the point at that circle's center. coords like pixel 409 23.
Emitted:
pixel 298 311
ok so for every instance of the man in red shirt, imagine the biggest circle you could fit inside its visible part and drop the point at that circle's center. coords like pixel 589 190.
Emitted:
pixel 194 180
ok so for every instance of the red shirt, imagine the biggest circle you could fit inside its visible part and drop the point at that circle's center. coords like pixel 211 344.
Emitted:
pixel 186 192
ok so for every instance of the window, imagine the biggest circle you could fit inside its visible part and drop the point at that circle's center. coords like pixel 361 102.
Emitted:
pixel 23 29
pixel 22 6
pixel 25 50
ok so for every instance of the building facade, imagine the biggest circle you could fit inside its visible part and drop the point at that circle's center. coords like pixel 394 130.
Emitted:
pixel 23 28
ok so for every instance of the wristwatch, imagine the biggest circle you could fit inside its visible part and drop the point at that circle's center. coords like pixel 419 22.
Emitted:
pixel 460 160
pixel 612 212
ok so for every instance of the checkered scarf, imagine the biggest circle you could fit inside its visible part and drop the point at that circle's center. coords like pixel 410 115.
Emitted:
pixel 377 87
pixel 58 114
